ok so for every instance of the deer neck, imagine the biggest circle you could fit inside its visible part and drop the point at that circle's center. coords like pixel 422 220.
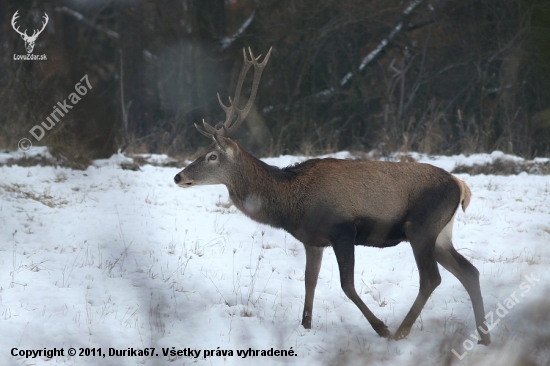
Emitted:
pixel 261 191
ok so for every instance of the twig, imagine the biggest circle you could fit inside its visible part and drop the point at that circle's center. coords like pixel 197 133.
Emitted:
pixel 125 109
pixel 384 42
pixel 228 41
pixel 79 16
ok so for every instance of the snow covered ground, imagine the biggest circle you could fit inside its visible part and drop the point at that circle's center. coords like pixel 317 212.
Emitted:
pixel 109 259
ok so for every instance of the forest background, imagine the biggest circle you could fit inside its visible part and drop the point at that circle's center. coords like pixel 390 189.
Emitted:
pixel 438 77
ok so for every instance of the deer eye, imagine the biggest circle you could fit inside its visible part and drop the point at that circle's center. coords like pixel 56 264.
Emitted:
pixel 212 157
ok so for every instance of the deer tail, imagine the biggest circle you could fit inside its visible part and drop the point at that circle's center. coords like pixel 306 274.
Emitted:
pixel 465 193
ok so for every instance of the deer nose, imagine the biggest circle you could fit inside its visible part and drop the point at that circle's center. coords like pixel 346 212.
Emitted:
pixel 177 179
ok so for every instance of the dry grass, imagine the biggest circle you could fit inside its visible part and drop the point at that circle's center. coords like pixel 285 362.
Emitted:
pixel 505 167
pixel 27 161
pixel 44 198
pixel 71 159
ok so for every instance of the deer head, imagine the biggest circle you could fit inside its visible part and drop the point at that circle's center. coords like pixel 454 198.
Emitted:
pixel 207 169
pixel 29 40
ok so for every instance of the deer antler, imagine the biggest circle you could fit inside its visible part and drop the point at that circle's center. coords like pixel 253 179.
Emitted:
pixel 228 127
pixel 13 19
pixel 37 32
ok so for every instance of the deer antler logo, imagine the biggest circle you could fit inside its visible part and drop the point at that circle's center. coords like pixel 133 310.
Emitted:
pixel 29 40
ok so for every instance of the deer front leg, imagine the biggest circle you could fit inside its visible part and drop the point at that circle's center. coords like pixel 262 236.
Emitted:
pixel 344 249
pixel 314 257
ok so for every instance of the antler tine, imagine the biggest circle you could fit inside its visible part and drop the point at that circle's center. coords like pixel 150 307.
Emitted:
pixel 211 130
pixel 228 126
pixel 208 130
pixel 203 132
pixel 230 110
pixel 242 75
pixel 13 19
pixel 258 69
pixel 224 107
pixel 46 18
pixel 36 31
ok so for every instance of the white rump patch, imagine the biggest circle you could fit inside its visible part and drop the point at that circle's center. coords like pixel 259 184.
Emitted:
pixel 445 237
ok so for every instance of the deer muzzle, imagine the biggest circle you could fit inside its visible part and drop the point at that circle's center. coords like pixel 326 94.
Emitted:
pixel 184 183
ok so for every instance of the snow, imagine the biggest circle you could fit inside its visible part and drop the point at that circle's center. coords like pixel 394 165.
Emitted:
pixel 119 158
pixel 450 162
pixel 111 258
pixel 35 152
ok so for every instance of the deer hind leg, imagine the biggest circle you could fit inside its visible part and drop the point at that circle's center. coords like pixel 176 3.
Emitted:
pixel 314 257
pixel 344 249
pixel 466 273
pixel 423 250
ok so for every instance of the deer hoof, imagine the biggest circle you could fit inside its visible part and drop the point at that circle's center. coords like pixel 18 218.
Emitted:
pixel 400 334
pixel 384 332
pixel 485 340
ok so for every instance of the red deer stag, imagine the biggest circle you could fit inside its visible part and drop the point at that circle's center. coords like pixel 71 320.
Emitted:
pixel 340 203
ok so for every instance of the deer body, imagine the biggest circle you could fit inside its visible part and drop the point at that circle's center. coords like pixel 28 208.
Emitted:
pixel 340 203
pixel 377 198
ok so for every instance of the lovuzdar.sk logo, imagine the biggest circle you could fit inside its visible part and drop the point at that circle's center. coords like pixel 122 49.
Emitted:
pixel 29 40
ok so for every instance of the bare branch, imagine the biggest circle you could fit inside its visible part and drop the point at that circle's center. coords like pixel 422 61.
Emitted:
pixel 79 16
pixel 228 41
pixel 384 42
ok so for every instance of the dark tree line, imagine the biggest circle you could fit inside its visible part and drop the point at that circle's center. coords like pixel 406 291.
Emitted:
pixel 443 76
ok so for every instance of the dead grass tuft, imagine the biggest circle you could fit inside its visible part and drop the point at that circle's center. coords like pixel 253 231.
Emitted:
pixel 505 167
pixel 27 161
pixel 44 198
